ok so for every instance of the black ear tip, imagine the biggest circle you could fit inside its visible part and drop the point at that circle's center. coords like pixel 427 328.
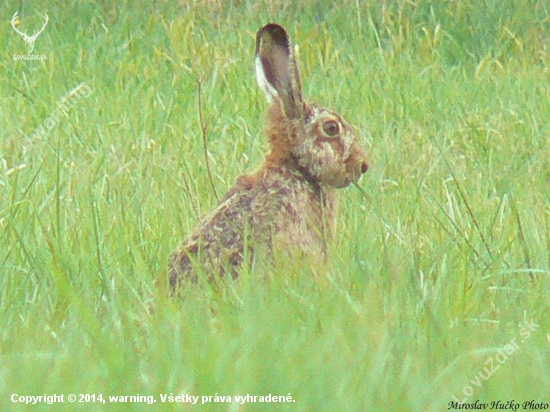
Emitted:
pixel 276 32
pixel 273 27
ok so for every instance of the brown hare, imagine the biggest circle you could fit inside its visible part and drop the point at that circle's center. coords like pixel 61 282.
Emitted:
pixel 288 204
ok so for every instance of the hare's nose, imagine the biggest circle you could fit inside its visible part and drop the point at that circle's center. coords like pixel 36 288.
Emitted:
pixel 364 167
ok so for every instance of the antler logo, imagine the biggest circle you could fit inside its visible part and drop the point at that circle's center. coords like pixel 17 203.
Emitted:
pixel 30 40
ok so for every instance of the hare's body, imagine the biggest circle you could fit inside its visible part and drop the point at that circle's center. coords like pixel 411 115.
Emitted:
pixel 289 203
pixel 274 208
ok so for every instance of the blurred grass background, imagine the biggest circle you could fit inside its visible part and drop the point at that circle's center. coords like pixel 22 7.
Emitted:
pixel 432 269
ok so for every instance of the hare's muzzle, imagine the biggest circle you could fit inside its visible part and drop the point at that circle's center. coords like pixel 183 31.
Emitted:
pixel 364 167
pixel 356 164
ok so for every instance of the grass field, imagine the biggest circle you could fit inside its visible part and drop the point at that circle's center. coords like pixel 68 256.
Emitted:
pixel 438 289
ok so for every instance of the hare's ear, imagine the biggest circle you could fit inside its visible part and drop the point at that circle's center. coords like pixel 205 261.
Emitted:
pixel 277 70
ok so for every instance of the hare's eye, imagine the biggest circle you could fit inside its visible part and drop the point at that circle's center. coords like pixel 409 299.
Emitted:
pixel 331 128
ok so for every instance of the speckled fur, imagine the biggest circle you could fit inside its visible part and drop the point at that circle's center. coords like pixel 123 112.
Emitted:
pixel 289 203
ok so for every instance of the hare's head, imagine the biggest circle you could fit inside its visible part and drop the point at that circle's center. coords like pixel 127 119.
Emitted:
pixel 316 140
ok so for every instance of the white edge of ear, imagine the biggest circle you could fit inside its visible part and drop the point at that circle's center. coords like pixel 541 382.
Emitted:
pixel 268 89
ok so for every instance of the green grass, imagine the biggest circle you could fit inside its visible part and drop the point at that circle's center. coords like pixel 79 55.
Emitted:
pixel 432 266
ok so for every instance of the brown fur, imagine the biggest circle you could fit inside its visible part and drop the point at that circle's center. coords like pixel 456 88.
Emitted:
pixel 289 203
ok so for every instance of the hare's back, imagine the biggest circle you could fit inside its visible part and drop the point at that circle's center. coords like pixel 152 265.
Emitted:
pixel 217 243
